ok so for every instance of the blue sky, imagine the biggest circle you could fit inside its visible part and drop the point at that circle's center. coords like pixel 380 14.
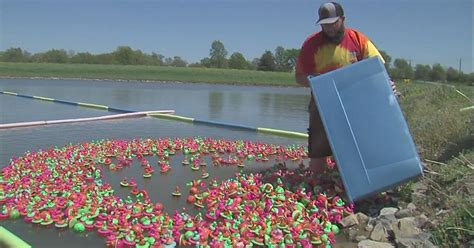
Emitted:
pixel 423 31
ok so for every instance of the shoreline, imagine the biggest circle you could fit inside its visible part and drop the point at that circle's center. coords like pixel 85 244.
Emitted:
pixel 153 81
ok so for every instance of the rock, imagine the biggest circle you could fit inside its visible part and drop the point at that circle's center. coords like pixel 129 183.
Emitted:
pixel 388 211
pixel 373 244
pixel 421 220
pixel 379 233
pixel 421 241
pixel 352 234
pixel 411 206
pixel 372 221
pixel 402 213
pixel 359 238
pixel 350 220
pixel 388 218
pixel 362 218
pixel 405 228
pixel 369 227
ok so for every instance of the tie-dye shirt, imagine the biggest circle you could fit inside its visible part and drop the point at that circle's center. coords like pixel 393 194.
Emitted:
pixel 318 55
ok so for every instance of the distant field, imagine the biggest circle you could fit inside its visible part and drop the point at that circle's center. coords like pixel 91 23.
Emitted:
pixel 142 72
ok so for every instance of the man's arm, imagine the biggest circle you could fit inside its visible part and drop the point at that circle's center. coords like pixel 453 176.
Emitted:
pixel 302 79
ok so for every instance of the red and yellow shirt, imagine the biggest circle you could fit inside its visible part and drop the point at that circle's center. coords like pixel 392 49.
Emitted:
pixel 318 55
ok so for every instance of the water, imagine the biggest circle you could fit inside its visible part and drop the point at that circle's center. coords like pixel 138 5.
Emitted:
pixel 270 107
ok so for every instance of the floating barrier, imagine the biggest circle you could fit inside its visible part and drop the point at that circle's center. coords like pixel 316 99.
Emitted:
pixel 11 240
pixel 64 187
pixel 81 104
pixel 173 117
pixel 99 118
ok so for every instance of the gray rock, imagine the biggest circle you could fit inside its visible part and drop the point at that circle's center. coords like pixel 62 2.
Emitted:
pixel 388 211
pixel 402 213
pixel 362 218
pixel 379 233
pixel 387 218
pixel 372 221
pixel 359 238
pixel 411 206
pixel 373 244
pixel 352 234
pixel 350 220
pixel 369 227
pixel 421 221
pixel 405 228
pixel 414 243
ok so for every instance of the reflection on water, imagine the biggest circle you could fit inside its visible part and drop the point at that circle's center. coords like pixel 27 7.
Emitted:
pixel 215 104
pixel 281 108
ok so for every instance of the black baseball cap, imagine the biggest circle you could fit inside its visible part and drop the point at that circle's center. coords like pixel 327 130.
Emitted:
pixel 329 13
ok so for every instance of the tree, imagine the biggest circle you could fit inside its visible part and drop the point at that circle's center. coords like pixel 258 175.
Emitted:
pixel 168 61
pixel 15 55
pixel 157 59
pixel 422 72
pixel 438 73
pixel 218 54
pixel 254 64
pixel 178 62
pixel 206 62
pixel 402 69
pixel 387 58
pixel 238 61
pixel 123 55
pixel 55 56
pixel 292 55
pixel 281 59
pixel 267 62
pixel 452 75
pixel 82 58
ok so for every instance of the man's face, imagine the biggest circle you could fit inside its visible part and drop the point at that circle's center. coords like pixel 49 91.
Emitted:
pixel 332 30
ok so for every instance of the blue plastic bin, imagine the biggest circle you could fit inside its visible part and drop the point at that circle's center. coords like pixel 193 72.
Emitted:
pixel 366 129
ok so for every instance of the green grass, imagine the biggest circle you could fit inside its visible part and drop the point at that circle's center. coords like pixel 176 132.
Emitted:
pixel 450 188
pixel 444 137
pixel 148 73
pixel 440 130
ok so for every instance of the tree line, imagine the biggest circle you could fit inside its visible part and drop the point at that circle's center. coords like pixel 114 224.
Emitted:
pixel 281 59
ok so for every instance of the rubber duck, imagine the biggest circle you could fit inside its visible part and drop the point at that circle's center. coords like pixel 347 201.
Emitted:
pixel 164 167
pixel 124 182
pixel 132 182
pixel 204 174
pixel 176 192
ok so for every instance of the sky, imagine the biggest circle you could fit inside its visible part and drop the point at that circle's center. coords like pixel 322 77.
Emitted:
pixel 420 31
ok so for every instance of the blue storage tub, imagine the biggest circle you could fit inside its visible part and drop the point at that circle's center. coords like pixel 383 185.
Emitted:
pixel 367 132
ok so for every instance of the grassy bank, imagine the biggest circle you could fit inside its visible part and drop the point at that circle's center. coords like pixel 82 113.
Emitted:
pixel 444 136
pixel 149 73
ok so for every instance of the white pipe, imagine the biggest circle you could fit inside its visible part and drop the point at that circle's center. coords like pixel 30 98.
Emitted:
pixel 99 118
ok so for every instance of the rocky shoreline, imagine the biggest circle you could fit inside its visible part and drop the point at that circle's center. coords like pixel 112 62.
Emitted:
pixel 393 227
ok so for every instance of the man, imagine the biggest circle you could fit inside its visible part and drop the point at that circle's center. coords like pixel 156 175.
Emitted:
pixel 333 47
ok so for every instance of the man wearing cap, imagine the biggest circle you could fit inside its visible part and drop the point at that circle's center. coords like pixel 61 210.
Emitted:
pixel 333 47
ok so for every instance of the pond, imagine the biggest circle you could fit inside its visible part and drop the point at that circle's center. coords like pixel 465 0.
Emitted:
pixel 269 107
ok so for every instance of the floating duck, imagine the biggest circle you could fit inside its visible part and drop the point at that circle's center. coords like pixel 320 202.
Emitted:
pixel 204 174
pixel 61 223
pixel 124 182
pixel 176 192
pixel 132 183
pixel 185 161
pixel 195 167
pixel 164 167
